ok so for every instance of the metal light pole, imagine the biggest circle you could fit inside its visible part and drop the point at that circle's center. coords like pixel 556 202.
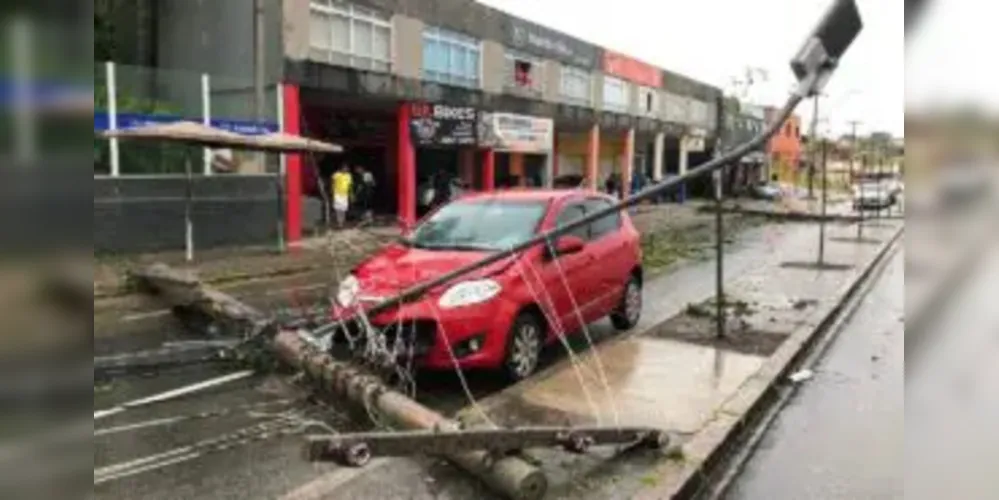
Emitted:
pixel 720 260
pixel 814 134
pixel 825 199
pixel 853 175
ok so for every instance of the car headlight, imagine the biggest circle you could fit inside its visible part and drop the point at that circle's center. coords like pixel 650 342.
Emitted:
pixel 469 293
pixel 348 291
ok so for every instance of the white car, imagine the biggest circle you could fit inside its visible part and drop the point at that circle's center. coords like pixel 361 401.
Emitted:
pixel 873 196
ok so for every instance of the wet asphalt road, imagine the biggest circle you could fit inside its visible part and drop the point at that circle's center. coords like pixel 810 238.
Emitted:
pixel 843 435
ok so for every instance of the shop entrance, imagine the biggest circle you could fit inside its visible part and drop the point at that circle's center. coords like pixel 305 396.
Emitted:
pixel 366 130
pixel 520 170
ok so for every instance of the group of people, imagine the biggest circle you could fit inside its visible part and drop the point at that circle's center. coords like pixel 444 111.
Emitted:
pixel 614 186
pixel 352 189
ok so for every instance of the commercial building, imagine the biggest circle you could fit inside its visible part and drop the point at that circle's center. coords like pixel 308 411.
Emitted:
pixel 785 148
pixel 414 89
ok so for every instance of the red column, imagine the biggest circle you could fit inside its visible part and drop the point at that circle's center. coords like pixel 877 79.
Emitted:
pixel 627 162
pixel 406 164
pixel 293 164
pixel 489 171
pixel 593 158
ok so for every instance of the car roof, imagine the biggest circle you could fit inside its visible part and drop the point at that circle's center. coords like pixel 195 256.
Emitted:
pixel 547 195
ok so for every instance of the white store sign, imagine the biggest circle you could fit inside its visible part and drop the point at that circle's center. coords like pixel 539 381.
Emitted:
pixel 517 133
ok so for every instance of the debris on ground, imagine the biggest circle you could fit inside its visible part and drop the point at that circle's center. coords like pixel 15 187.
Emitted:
pixel 802 376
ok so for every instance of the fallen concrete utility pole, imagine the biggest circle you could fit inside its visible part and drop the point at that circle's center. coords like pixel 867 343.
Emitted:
pixel 509 476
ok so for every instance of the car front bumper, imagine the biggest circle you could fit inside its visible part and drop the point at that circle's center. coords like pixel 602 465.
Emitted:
pixel 471 337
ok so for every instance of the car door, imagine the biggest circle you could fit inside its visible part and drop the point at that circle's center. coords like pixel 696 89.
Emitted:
pixel 566 277
pixel 611 251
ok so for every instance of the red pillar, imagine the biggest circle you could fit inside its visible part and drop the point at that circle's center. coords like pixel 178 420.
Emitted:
pixel 489 171
pixel 293 164
pixel 406 163
pixel 593 157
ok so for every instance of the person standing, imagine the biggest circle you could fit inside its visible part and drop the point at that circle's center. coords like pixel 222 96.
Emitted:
pixel 342 186
pixel 364 192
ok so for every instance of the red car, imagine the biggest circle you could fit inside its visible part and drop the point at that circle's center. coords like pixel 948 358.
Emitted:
pixel 502 316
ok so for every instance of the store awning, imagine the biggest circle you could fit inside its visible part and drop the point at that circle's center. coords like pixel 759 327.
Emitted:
pixel 202 135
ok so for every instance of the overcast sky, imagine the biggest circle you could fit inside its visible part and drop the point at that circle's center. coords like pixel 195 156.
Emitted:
pixel 716 40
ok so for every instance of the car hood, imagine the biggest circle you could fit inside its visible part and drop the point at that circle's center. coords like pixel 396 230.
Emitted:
pixel 399 267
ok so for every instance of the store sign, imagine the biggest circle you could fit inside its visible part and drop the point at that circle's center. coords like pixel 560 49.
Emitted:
pixel 134 120
pixel 541 41
pixel 622 66
pixel 517 133
pixel 443 125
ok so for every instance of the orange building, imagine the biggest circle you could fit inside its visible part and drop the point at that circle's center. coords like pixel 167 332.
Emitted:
pixel 784 149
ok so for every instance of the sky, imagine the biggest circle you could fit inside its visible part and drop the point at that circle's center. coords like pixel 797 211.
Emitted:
pixel 715 41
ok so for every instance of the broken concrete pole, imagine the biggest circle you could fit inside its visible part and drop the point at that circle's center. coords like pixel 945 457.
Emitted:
pixel 183 290
pixel 510 476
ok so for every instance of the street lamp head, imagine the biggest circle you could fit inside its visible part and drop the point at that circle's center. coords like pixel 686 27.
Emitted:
pixel 817 60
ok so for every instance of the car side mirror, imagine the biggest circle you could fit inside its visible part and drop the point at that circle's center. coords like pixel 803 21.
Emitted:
pixel 569 245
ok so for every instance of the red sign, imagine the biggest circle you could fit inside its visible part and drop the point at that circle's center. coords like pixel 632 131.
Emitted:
pixel 638 72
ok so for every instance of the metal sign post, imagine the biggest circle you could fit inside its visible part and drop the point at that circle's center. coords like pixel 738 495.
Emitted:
pixel 720 254
pixel 825 200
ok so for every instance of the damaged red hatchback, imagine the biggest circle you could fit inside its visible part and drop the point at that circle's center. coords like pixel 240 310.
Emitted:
pixel 501 317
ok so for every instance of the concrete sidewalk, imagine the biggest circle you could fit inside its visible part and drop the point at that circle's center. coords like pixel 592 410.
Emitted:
pixel 649 378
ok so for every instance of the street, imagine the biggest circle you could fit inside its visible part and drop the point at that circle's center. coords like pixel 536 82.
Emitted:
pixel 843 435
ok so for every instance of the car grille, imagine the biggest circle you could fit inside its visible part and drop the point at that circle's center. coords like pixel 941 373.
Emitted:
pixel 415 337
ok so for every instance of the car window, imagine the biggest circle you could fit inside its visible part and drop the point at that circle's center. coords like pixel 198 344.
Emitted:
pixel 570 214
pixel 605 225
pixel 479 225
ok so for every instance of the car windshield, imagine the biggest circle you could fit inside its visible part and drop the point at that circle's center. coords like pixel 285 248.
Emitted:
pixel 479 225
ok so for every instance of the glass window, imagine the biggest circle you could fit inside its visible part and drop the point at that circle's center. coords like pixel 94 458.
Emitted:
pixel 489 225
pixel 615 94
pixel 571 214
pixel 605 225
pixel 345 34
pixel 320 35
pixel 450 58
pixel 524 72
pixel 577 85
pixel 363 39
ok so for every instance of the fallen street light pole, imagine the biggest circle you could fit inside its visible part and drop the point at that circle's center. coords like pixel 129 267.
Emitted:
pixel 357 449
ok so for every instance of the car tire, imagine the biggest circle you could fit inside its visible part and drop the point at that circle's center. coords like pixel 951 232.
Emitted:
pixel 629 311
pixel 523 349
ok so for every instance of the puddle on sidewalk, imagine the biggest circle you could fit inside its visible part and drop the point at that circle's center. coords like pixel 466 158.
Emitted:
pixel 652 382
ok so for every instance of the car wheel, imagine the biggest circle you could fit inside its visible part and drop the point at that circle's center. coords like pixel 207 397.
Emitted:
pixel 523 350
pixel 629 311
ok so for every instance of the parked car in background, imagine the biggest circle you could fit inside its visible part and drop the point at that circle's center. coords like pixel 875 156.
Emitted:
pixel 500 317
pixel 766 191
pixel 873 196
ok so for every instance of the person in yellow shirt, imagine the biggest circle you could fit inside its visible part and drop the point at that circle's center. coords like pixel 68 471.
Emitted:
pixel 342 187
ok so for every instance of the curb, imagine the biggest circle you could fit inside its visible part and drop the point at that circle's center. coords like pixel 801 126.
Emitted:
pixel 746 407
pixel 785 216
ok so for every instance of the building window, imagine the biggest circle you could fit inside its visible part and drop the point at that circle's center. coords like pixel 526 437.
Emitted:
pixel 346 35
pixel 524 73
pixel 577 85
pixel 648 99
pixel 615 94
pixel 451 58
